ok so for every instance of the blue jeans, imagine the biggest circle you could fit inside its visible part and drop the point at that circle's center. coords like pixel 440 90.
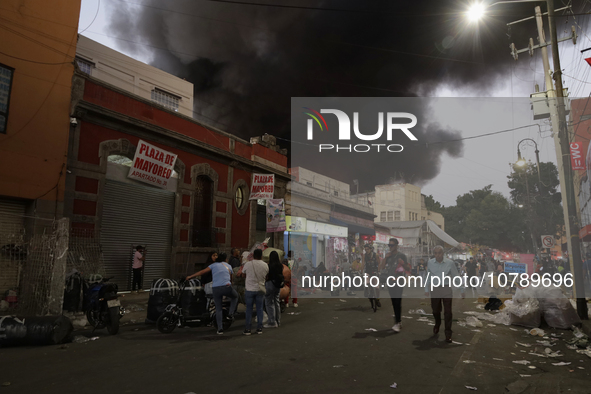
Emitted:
pixel 272 303
pixel 251 298
pixel 218 294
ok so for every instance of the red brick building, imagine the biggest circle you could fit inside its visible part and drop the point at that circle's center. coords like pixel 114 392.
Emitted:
pixel 205 207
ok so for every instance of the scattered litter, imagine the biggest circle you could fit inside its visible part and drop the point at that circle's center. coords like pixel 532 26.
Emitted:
pixel 457 343
pixel 406 317
pixel 430 324
pixel 523 344
pixel 522 362
pixel 424 319
pixel 370 329
pixel 342 300
pixel 513 354
pixel 525 376
pixel 531 367
pixel 586 352
pixel 513 329
pixel 523 351
pixel 416 312
pixel 476 330
pixel 545 343
pixel 498 359
pixel 537 331
pixel 293 313
pixel 338 366
pixel 471 388
pixel 394 386
pixel 134 308
pixel 473 322
pixel 469 362
pixel 462 323
pixel 83 339
pixel 491 325
pixel 560 364
pixel 480 306
pixel 580 367
pixel 571 347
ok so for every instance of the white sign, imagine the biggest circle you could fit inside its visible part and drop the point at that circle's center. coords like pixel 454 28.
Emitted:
pixel 548 241
pixel 326 229
pixel 152 165
pixel 263 186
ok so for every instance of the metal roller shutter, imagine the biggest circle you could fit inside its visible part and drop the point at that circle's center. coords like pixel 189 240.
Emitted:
pixel 12 232
pixel 136 215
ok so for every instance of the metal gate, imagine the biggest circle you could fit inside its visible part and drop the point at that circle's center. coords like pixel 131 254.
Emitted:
pixel 12 242
pixel 136 215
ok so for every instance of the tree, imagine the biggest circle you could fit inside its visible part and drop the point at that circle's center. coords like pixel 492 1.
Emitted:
pixel 488 218
pixel 541 201
pixel 432 205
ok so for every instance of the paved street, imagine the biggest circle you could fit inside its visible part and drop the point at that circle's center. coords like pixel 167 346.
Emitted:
pixel 325 348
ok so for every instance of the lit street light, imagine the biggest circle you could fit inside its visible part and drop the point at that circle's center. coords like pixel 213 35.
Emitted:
pixel 475 12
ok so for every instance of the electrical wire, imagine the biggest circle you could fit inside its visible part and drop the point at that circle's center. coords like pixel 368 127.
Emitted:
pixel 34 61
pixel 98 7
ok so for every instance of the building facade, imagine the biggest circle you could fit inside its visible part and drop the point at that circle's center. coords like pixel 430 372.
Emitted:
pixel 36 67
pixel 205 206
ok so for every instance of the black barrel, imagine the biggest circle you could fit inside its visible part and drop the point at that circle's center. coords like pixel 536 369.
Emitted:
pixel 162 292
pixel 193 299
pixel 43 330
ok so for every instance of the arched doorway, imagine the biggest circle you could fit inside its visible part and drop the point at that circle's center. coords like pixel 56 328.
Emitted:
pixel 203 234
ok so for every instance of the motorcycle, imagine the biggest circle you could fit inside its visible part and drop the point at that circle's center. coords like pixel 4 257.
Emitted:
pixel 192 308
pixel 103 305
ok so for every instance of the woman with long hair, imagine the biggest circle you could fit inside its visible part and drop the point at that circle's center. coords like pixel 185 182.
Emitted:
pixel 207 277
pixel 273 285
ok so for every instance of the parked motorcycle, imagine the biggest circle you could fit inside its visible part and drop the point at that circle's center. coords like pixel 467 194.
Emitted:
pixel 193 307
pixel 103 305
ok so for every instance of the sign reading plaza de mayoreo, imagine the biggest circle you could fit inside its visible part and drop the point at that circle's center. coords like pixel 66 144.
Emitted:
pixel 152 165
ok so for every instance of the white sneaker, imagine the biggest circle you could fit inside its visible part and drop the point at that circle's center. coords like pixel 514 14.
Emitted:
pixel 397 327
pixel 295 305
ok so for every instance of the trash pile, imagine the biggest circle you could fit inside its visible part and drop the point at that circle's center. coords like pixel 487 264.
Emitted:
pixel 580 342
pixel 529 306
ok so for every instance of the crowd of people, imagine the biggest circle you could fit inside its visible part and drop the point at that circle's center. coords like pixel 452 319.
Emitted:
pixel 265 285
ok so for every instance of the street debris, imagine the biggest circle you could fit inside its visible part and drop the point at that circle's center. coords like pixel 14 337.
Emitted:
pixel 498 359
pixel 491 325
pixel 560 364
pixel 83 339
pixel 342 300
pixel 531 367
pixel 586 352
pixel 545 343
pixel 371 329
pixel 406 317
pixel 471 388
pixel 522 362
pixel 476 330
pixel 293 313
pixel 457 343
pixel 513 329
pixel 338 366
pixel 134 308
pixel 523 344
pixel 394 386
pixel 416 312
pixel 469 362
pixel 537 331
pixel 525 376
pixel 473 322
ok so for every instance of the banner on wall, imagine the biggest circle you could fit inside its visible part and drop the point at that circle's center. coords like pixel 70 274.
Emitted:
pixel 275 215
pixel 262 187
pixel 152 165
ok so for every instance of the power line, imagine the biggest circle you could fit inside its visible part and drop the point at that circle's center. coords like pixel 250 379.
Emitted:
pixel 98 7
pixel 34 61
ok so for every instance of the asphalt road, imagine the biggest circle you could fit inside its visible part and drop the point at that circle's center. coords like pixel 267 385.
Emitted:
pixel 326 348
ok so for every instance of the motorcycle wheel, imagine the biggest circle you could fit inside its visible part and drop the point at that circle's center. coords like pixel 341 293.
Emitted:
pixel 114 316
pixel 167 322
pixel 93 319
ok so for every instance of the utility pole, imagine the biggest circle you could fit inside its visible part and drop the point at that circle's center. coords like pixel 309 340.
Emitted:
pixel 569 203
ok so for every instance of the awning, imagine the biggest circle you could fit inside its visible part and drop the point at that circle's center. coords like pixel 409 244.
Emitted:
pixel 585 233
pixel 353 227
pixel 442 235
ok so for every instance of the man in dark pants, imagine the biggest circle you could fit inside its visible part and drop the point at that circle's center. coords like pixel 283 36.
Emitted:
pixel 235 258
pixel 137 268
pixel 443 294
pixel 396 264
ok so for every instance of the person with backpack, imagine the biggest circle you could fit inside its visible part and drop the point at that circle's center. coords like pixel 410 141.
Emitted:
pixel 273 285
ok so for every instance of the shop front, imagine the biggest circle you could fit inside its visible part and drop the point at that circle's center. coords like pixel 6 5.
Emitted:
pixel 315 243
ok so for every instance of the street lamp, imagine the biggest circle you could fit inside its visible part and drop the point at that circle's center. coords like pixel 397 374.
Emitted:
pixel 521 161
pixel 475 12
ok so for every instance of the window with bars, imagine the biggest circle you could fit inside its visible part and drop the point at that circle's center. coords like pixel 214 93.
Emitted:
pixel 390 216
pixel 383 216
pixel 397 215
pixel 85 66
pixel 168 100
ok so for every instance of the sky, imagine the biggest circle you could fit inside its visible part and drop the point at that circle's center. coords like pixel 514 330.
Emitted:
pixel 247 61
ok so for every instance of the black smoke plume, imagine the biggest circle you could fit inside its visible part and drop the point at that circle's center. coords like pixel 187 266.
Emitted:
pixel 246 61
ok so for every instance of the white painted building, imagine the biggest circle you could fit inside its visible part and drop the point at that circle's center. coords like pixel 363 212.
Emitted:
pixel 131 75
pixel 395 202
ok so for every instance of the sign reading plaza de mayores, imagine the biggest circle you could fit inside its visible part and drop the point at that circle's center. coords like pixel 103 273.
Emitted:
pixel 152 165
